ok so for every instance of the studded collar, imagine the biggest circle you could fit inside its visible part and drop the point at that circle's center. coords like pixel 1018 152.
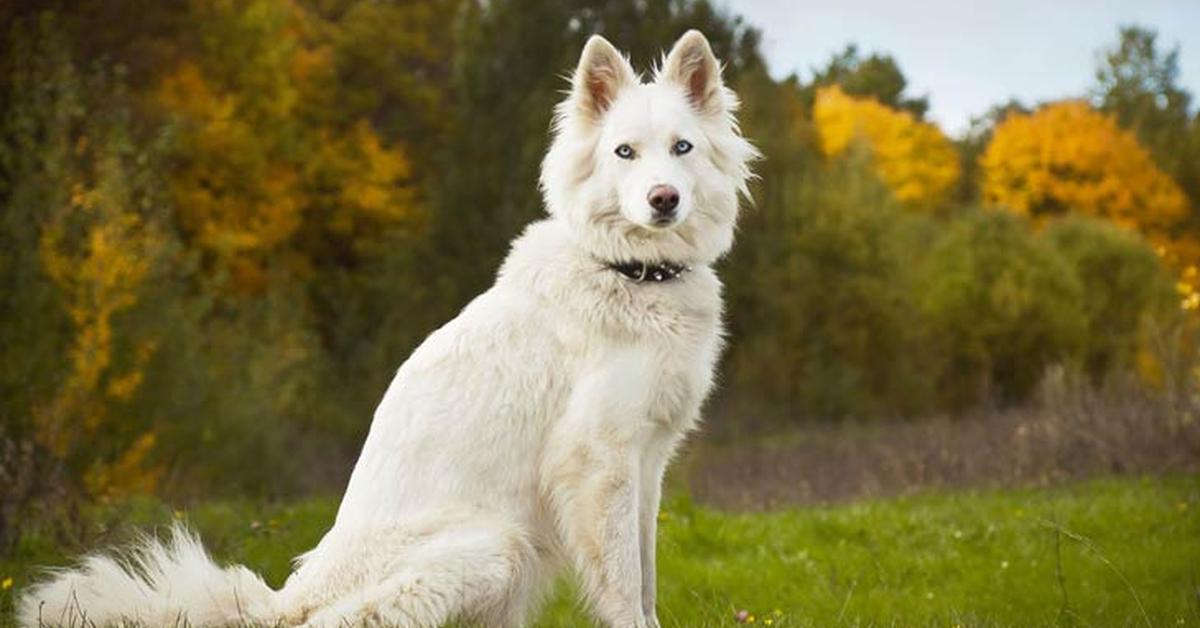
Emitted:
pixel 643 272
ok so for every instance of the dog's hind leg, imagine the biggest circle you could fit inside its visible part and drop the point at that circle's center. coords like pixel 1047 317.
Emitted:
pixel 480 570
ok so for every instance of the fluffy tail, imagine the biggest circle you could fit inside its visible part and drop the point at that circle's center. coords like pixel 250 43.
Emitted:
pixel 155 583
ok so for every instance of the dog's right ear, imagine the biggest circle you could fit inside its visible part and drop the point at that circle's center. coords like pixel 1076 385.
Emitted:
pixel 602 73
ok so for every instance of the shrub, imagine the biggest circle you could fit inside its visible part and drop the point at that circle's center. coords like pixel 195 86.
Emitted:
pixel 1122 283
pixel 1001 306
pixel 826 327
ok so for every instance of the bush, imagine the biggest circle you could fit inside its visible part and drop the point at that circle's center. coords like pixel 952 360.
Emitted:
pixel 850 306
pixel 1000 306
pixel 826 327
pixel 1123 283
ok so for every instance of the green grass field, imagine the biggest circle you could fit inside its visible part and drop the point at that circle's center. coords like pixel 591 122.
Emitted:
pixel 1120 552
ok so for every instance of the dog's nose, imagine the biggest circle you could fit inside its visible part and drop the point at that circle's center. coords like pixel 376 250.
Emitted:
pixel 664 199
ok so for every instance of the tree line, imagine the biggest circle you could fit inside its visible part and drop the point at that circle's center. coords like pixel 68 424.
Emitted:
pixel 227 222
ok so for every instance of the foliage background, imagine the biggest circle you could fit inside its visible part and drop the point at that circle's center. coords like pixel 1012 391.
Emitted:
pixel 226 223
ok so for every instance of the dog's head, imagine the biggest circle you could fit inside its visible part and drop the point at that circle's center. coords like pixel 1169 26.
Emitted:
pixel 648 171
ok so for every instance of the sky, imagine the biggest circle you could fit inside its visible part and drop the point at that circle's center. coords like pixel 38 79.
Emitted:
pixel 968 55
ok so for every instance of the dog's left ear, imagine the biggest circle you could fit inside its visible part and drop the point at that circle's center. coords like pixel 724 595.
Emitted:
pixel 692 65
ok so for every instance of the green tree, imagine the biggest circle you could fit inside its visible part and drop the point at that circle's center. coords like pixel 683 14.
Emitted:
pixel 1139 84
pixel 876 76
pixel 38 120
pixel 1125 286
pixel 391 65
pixel 1000 306
pixel 825 326
pixel 90 237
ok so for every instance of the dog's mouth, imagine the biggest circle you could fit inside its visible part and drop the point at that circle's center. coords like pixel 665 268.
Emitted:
pixel 639 229
pixel 653 230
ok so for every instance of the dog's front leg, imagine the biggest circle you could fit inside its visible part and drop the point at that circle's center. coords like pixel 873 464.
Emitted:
pixel 598 513
pixel 593 475
pixel 653 466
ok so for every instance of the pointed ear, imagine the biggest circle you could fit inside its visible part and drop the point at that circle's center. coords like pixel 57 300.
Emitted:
pixel 692 65
pixel 601 74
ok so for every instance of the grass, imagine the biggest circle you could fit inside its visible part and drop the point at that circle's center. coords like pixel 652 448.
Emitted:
pixel 1118 552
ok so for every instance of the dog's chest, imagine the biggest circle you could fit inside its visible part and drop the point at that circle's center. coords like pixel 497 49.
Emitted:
pixel 684 377
pixel 658 367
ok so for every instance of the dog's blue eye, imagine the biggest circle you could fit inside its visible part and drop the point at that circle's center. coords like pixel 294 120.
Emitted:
pixel 625 151
pixel 683 147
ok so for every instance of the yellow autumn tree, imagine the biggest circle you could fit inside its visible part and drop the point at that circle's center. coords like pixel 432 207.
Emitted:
pixel 261 158
pixel 235 198
pixel 353 177
pixel 99 249
pixel 914 158
pixel 1069 157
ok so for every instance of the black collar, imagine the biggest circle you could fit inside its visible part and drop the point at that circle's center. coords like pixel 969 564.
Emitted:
pixel 640 272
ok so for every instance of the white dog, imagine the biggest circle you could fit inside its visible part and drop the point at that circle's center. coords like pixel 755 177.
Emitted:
pixel 532 431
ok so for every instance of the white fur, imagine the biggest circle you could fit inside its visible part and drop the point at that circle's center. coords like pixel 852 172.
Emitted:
pixel 532 431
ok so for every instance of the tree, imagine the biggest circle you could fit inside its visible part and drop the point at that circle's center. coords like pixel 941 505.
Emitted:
pixel 267 174
pixel 1001 307
pixel 1139 85
pixel 825 322
pixel 877 76
pixel 914 158
pixel 971 145
pixel 93 226
pixel 1125 287
pixel 1067 157
pixel 390 65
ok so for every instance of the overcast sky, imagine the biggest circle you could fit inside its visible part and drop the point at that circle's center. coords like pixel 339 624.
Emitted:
pixel 968 55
